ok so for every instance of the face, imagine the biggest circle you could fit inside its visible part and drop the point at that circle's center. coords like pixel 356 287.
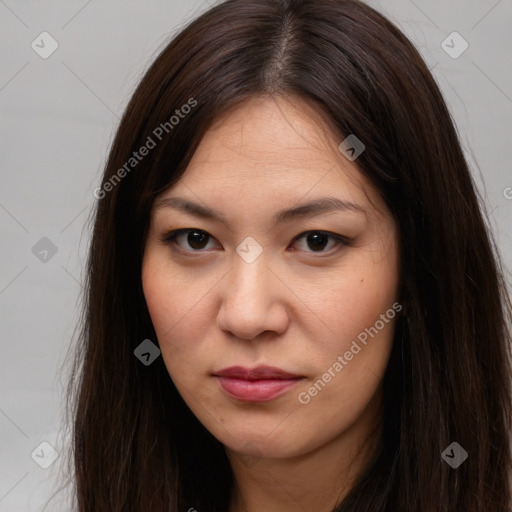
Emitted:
pixel 271 277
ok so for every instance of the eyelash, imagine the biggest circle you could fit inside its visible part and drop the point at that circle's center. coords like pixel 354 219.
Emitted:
pixel 170 238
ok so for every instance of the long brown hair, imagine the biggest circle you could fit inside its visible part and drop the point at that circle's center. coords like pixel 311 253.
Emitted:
pixel 136 445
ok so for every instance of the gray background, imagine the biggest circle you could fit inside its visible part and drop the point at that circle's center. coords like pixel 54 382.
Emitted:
pixel 58 118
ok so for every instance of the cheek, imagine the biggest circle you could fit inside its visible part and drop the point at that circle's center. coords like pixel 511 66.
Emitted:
pixel 354 343
pixel 353 302
pixel 176 305
pixel 160 302
pixel 172 296
pixel 358 313
pixel 163 306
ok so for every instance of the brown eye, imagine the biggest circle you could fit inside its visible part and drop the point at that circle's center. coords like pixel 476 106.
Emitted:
pixel 193 240
pixel 197 239
pixel 317 241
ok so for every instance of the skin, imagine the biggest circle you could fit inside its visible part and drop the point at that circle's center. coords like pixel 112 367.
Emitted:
pixel 294 307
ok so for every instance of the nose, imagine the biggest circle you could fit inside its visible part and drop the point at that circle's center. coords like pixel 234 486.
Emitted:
pixel 253 301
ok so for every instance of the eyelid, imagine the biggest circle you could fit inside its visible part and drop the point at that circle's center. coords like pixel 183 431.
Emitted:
pixel 169 237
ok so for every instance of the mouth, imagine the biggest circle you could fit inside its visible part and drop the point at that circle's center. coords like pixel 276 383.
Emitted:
pixel 259 384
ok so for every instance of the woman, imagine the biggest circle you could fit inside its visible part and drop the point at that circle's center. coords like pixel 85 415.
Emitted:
pixel 293 301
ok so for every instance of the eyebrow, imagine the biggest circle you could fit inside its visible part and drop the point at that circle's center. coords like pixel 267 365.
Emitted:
pixel 315 207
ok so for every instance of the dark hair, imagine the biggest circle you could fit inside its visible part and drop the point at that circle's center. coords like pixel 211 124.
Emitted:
pixel 136 445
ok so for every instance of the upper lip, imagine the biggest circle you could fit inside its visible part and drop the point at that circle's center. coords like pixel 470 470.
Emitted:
pixel 258 373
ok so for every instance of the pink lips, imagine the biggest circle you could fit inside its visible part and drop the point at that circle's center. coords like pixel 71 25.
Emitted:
pixel 259 384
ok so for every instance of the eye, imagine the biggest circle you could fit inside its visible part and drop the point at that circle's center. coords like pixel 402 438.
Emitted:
pixel 317 241
pixel 192 240
pixel 196 240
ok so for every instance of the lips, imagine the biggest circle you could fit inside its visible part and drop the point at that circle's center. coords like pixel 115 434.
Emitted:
pixel 259 384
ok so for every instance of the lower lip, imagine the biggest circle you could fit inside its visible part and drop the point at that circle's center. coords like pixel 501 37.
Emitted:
pixel 256 390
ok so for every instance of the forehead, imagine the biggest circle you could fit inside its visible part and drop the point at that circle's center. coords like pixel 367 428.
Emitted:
pixel 271 135
pixel 272 151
